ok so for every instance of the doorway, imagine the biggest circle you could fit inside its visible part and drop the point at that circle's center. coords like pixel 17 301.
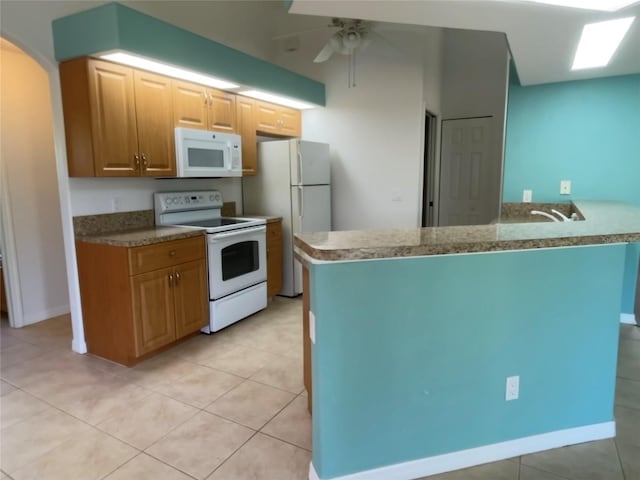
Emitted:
pixel 31 240
pixel 430 172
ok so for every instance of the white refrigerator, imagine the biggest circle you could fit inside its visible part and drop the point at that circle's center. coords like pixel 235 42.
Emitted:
pixel 293 182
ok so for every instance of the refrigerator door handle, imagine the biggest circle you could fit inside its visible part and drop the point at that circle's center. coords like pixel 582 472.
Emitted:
pixel 300 177
pixel 301 204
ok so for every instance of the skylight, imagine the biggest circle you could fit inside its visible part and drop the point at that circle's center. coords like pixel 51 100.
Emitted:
pixel 599 41
pixel 168 70
pixel 604 5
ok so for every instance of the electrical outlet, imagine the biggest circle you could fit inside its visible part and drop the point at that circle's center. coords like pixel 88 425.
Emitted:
pixel 565 187
pixel 527 195
pixel 513 388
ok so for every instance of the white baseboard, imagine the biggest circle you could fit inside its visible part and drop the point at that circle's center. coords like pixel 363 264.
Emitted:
pixel 31 318
pixel 628 318
pixel 480 455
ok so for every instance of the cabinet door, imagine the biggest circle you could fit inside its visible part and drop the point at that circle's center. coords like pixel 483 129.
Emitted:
pixel 191 297
pixel 290 122
pixel 154 114
pixel 266 117
pixel 114 133
pixel 153 310
pixel 246 116
pixel 222 111
pixel 274 258
pixel 189 105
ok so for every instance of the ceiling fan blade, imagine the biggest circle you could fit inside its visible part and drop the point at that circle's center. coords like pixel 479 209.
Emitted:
pixel 324 54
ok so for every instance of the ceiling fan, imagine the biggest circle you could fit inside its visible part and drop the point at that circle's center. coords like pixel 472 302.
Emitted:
pixel 352 34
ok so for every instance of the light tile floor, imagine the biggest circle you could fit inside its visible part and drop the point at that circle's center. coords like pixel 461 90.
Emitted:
pixel 230 406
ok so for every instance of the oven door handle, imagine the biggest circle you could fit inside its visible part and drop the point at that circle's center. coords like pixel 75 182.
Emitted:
pixel 235 233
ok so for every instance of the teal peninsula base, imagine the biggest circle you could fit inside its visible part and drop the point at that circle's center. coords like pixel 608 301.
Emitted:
pixel 411 356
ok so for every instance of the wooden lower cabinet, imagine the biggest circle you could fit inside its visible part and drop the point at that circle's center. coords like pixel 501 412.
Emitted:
pixel 138 300
pixel 274 257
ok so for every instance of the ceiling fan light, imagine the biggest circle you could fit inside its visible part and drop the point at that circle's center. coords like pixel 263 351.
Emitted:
pixel 351 40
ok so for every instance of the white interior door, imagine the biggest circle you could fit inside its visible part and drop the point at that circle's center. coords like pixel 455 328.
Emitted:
pixel 468 193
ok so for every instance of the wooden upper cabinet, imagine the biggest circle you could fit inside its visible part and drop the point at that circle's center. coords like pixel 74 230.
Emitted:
pixel 222 111
pixel 118 120
pixel 196 106
pixel 290 122
pixel 113 118
pixel 190 105
pixel 156 148
pixel 246 116
pixel 277 120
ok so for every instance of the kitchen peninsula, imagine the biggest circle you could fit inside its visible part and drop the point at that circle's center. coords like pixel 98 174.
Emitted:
pixel 414 333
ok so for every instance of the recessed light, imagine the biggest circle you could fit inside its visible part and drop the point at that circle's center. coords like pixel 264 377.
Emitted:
pixel 599 41
pixel 604 5
pixel 270 97
pixel 165 69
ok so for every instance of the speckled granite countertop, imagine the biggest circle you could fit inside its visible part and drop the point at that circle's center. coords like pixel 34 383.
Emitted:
pixel 605 222
pixel 141 236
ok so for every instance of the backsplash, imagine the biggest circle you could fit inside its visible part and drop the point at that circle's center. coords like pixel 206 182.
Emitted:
pixel 112 222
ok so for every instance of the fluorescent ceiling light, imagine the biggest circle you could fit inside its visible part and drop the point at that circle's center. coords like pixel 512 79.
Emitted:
pixel 604 5
pixel 270 97
pixel 168 70
pixel 599 41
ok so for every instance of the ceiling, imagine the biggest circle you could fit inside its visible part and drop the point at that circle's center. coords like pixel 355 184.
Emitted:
pixel 542 38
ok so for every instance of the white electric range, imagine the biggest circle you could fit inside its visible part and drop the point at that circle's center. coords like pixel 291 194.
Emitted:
pixel 236 253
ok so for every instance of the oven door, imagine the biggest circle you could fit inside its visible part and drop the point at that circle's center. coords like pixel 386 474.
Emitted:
pixel 237 259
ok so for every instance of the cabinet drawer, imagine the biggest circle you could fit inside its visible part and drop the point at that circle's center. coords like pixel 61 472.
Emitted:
pixel 165 254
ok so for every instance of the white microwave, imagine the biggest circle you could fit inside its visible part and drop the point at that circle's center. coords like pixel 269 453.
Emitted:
pixel 203 153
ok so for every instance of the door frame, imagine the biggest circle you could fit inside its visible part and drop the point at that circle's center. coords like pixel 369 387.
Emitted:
pixel 430 178
pixel 10 269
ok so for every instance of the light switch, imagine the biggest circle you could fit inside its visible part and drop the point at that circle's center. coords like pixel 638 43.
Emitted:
pixel 527 195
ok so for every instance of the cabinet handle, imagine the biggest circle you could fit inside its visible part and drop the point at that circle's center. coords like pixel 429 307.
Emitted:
pixel 144 161
pixel 170 279
pixel 177 278
pixel 136 159
pixel 172 253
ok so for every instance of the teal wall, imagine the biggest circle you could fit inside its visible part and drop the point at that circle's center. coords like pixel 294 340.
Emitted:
pixel 411 355
pixel 114 26
pixel 585 131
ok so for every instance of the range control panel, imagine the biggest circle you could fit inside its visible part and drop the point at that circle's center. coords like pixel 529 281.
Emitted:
pixel 178 201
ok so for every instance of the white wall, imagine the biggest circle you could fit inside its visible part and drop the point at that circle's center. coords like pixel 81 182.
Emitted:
pixel 32 191
pixel 375 129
